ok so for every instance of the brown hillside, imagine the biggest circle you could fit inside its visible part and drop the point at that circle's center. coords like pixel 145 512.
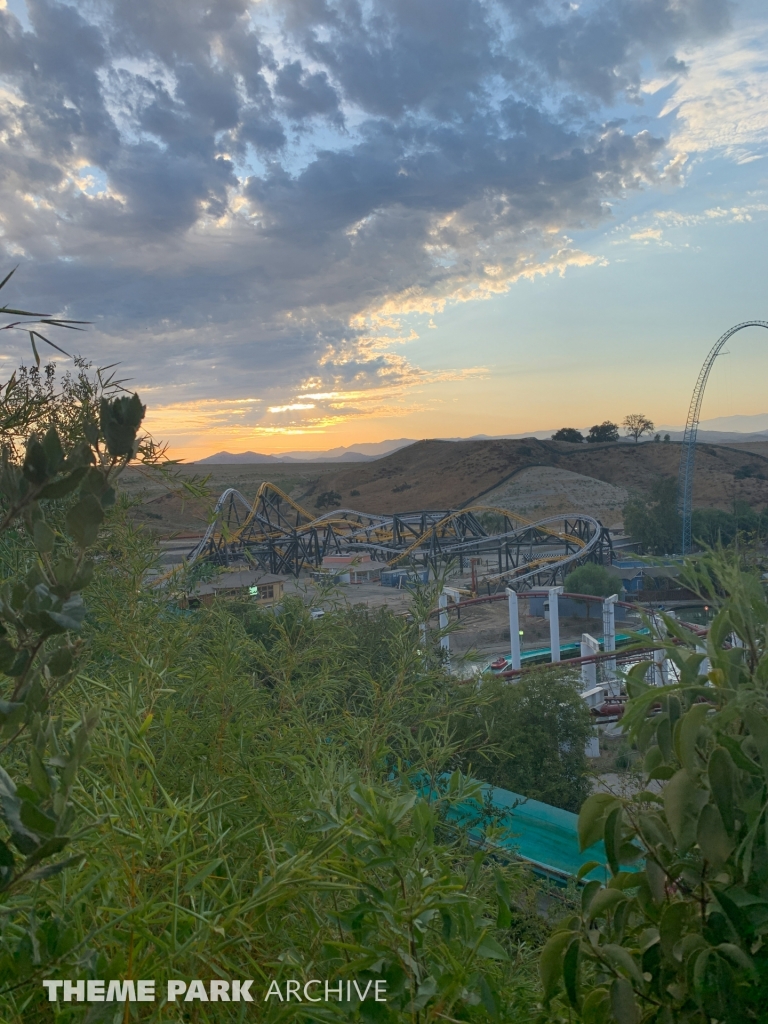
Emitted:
pixel 447 474
pixel 451 474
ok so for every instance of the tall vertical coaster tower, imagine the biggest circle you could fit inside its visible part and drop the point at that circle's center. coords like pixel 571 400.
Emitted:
pixel 688 454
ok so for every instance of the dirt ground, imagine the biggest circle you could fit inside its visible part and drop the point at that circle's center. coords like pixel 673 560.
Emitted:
pixel 546 491
pixel 484 630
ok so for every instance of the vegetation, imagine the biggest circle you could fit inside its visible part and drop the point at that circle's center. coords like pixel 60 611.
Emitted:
pixel 530 737
pixel 570 434
pixel 593 579
pixel 226 792
pixel 678 932
pixel 605 431
pixel 328 499
pixel 233 793
pixel 636 424
pixel 654 520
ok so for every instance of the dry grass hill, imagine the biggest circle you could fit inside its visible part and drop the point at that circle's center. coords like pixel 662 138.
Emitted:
pixel 529 476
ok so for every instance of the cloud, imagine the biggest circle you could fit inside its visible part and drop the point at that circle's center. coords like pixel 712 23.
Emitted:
pixel 721 105
pixel 240 191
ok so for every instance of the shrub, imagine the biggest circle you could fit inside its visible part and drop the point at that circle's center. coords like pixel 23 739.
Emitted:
pixel 529 736
pixel 676 934
pixel 328 499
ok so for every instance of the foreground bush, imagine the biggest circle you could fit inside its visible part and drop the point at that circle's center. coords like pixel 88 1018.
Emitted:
pixel 243 808
pixel 678 933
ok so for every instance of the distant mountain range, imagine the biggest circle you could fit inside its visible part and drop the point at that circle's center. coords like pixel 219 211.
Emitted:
pixel 743 429
pixel 364 452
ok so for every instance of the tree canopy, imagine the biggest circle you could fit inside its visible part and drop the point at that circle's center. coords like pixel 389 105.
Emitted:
pixel 605 431
pixel 636 424
pixel 593 579
pixel 653 519
pixel 570 434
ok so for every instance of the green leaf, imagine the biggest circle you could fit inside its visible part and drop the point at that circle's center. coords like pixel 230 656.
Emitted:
pixel 490 949
pixel 657 880
pixel 49 870
pixel 201 875
pixel 673 921
pixel 623 961
pixel 623 1003
pixel 71 615
pixel 35 819
pixel 592 818
pixel 551 960
pixel 604 902
pixel 84 519
pixel 653 759
pixel 612 837
pixel 714 842
pixel 44 537
pixel 588 894
pixel 54 453
pixel 11 711
pixel 758 728
pixel 53 845
pixel 571 974
pixel 38 774
pixel 490 1001
pixel 722 775
pixel 586 867
pixel 664 737
pixel 739 757
pixel 120 421
pixel 737 956
pixel 687 735
pixel 60 662
pixel 683 801
pixel 64 486
pixel 596 1008
pixel 7 655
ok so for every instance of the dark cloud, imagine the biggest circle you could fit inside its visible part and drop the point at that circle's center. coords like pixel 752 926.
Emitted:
pixel 305 94
pixel 236 178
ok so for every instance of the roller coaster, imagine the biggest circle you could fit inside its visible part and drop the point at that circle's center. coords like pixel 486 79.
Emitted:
pixel 688 453
pixel 277 535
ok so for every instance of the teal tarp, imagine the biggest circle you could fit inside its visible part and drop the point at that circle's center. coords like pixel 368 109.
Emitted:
pixel 545 836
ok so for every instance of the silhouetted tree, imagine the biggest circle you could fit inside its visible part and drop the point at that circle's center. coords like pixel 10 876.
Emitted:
pixel 636 425
pixel 570 434
pixel 605 431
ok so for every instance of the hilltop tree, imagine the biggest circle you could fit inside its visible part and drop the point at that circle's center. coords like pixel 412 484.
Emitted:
pixel 636 425
pixel 570 434
pixel 605 431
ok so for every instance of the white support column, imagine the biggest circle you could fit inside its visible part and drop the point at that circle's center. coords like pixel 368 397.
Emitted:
pixel 514 628
pixel 554 622
pixel 589 646
pixel 445 641
pixel 609 640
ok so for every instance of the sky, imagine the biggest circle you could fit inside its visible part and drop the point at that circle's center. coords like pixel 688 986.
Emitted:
pixel 309 223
